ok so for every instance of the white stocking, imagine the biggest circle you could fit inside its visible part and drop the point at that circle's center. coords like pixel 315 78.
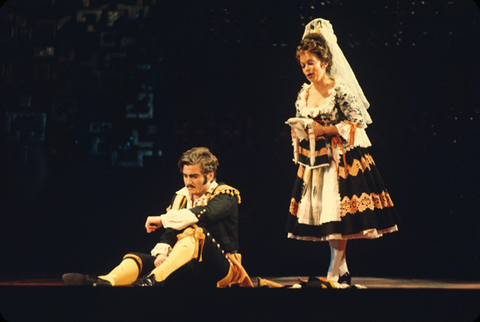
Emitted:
pixel 338 259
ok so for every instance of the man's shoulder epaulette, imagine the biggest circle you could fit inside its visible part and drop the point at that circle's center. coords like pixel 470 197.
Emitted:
pixel 178 202
pixel 227 190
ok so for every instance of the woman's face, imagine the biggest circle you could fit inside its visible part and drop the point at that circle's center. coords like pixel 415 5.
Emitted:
pixel 312 67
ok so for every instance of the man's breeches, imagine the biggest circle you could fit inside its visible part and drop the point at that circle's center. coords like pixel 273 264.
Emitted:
pixel 209 266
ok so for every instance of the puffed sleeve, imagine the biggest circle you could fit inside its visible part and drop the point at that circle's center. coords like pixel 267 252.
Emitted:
pixel 349 106
pixel 300 101
pixel 178 219
pixel 352 129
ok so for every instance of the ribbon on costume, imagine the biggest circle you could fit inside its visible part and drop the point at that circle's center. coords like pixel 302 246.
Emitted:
pixel 199 236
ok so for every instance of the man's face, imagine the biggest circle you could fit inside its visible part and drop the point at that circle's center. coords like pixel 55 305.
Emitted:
pixel 195 180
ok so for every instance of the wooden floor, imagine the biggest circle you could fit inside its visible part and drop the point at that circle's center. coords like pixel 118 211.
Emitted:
pixel 384 299
pixel 395 283
pixel 368 282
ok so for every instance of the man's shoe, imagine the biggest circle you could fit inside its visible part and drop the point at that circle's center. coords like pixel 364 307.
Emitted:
pixel 147 281
pixel 76 279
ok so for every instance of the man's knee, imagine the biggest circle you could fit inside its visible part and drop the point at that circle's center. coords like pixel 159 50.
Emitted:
pixel 143 261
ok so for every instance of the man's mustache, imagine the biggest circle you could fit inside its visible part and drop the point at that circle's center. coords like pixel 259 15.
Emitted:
pixel 190 186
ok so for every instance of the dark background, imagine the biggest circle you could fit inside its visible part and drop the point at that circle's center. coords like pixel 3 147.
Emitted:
pixel 99 99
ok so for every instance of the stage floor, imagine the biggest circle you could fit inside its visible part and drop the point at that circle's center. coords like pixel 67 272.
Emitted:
pixel 384 299
pixel 368 282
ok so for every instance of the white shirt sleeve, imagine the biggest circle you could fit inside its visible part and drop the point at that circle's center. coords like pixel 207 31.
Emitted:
pixel 161 248
pixel 178 219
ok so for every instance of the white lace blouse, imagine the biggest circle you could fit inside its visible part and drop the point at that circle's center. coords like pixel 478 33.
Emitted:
pixel 341 110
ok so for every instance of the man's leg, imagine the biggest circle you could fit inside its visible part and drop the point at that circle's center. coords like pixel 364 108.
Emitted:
pixel 215 264
pixel 186 249
pixel 200 251
pixel 132 265
pixel 126 272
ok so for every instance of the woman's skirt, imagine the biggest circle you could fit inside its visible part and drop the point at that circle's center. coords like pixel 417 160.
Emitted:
pixel 338 202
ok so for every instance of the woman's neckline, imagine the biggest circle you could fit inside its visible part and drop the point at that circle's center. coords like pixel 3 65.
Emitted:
pixel 327 99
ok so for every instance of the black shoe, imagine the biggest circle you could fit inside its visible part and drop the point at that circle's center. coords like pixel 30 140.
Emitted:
pixel 317 282
pixel 345 279
pixel 147 281
pixel 76 279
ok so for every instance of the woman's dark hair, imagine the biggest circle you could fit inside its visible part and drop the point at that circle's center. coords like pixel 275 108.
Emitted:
pixel 317 45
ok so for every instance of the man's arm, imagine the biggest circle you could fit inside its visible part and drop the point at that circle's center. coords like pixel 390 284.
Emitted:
pixel 163 248
pixel 218 208
pixel 153 223
pixel 178 219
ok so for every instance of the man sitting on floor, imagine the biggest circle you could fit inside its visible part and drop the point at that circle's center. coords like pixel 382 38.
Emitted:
pixel 200 235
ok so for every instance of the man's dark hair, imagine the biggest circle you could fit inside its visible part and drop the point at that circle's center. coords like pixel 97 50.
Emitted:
pixel 202 157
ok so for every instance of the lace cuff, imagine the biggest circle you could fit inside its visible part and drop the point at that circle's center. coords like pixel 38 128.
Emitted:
pixel 354 135
pixel 161 248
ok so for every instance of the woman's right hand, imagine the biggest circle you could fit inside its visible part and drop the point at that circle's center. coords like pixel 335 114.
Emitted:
pixel 318 130
pixel 322 130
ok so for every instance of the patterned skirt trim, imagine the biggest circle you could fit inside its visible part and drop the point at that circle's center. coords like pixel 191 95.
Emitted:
pixel 366 234
pixel 357 206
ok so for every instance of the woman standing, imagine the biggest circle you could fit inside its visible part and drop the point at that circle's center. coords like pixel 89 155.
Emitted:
pixel 338 192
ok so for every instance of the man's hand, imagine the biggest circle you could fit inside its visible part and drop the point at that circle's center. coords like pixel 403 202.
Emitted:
pixel 160 259
pixel 153 223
